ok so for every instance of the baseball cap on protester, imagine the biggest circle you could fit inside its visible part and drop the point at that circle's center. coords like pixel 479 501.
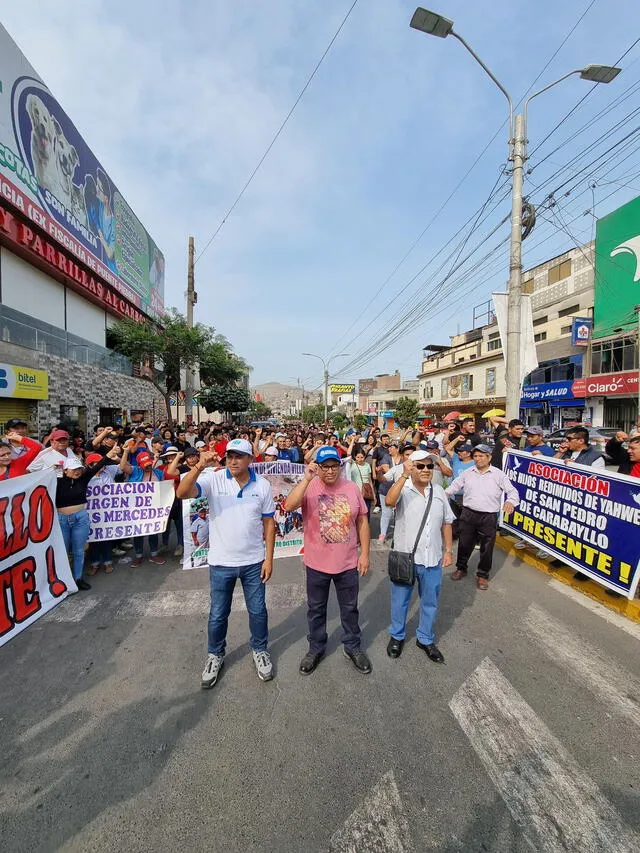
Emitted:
pixel 57 434
pixel 468 447
pixel 200 444
pixel 431 445
pixel 239 445
pixel 144 459
pixel 93 457
pixel 271 451
pixel 71 464
pixel 191 451
pixel 483 448
pixel 326 453
pixel 171 450
pixel 14 422
pixel 419 455
pixel 534 430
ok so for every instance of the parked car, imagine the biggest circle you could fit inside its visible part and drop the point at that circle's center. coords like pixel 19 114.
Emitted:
pixel 598 438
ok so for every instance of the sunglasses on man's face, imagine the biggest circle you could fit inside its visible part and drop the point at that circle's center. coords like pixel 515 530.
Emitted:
pixel 422 465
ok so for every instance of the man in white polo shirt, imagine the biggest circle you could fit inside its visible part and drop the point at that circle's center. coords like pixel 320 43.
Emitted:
pixel 241 542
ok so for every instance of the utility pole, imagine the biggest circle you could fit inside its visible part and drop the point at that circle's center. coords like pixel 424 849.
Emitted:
pixel 326 395
pixel 514 298
pixel 192 298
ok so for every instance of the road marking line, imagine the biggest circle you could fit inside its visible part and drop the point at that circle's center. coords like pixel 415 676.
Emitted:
pixel 556 804
pixel 610 616
pixel 603 676
pixel 379 824
pixel 189 602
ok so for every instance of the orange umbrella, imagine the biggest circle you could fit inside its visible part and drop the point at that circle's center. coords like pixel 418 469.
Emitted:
pixel 451 416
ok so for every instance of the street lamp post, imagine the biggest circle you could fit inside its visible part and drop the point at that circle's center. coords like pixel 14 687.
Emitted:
pixel 325 365
pixel 436 25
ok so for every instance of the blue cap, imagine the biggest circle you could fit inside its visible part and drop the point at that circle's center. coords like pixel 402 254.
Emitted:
pixel 325 453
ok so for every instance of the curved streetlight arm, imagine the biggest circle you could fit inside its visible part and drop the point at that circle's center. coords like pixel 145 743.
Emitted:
pixel 491 74
pixel 540 91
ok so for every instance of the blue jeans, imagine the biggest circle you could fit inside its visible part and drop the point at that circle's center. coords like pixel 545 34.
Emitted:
pixel 429 581
pixel 75 532
pixel 138 545
pixel 223 580
pixel 386 515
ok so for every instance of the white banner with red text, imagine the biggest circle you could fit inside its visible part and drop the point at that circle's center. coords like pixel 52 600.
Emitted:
pixel 34 567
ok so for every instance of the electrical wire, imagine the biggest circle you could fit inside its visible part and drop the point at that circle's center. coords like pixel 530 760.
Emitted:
pixel 277 134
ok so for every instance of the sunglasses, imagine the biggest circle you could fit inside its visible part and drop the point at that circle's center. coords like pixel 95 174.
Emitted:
pixel 329 467
pixel 421 465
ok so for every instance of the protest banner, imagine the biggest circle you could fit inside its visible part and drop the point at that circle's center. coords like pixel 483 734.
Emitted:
pixel 34 567
pixel 121 510
pixel 283 476
pixel 588 518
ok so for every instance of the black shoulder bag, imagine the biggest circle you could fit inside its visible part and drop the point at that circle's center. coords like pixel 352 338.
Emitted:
pixel 401 566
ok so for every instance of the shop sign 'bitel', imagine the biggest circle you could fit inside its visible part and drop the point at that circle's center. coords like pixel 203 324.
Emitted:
pixel 50 175
pixel 587 518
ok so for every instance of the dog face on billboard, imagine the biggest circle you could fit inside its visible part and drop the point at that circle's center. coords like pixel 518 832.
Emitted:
pixel 42 141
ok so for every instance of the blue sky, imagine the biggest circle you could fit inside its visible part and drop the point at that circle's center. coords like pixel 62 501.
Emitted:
pixel 179 101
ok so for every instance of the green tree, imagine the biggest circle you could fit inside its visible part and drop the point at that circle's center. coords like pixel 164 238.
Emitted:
pixel 260 410
pixel 224 398
pixel 407 411
pixel 338 420
pixel 170 347
pixel 313 414
pixel 360 422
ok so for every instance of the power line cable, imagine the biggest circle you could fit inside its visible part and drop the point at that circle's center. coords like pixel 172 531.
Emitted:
pixel 277 134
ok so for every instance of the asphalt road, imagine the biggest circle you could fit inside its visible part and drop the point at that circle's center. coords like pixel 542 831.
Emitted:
pixel 527 739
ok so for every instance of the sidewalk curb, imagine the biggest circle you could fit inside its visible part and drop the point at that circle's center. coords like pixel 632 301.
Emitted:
pixel 630 609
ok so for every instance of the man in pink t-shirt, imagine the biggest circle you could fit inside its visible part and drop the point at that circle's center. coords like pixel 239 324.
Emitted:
pixel 335 521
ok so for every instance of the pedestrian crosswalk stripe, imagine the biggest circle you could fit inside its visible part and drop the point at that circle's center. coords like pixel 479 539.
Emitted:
pixel 555 803
pixel 583 600
pixel 603 676
pixel 167 604
pixel 378 824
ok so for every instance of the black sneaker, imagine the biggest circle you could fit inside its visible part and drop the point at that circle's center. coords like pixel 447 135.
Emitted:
pixel 310 662
pixel 83 585
pixel 359 660
pixel 433 652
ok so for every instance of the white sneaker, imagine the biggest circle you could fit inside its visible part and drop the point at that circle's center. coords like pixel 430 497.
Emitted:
pixel 542 555
pixel 376 509
pixel 520 544
pixel 211 670
pixel 118 552
pixel 179 551
pixel 264 666
pixel 126 545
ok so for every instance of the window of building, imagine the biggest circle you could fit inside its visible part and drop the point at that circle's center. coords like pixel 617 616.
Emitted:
pixel 540 321
pixel 572 309
pixel 444 388
pixel 490 380
pixel 492 345
pixel 559 272
pixel 556 370
pixel 527 286
pixel 466 384
pixel 565 330
pixel 428 391
pixel 494 335
pixel 614 356
pixel 541 336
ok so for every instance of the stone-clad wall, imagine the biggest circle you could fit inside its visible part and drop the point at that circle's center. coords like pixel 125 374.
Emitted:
pixel 75 384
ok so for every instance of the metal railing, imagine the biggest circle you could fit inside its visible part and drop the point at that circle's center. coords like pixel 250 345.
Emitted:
pixel 18 328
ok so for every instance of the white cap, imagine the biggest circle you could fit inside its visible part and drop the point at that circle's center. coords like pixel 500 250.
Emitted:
pixel 419 455
pixel 280 435
pixel 200 444
pixel 70 464
pixel 271 451
pixel 240 445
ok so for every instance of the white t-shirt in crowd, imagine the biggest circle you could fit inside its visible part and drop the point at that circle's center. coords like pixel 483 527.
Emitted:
pixel 50 458
pixel 236 535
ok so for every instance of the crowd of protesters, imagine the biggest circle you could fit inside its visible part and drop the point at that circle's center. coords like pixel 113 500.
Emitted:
pixel 440 484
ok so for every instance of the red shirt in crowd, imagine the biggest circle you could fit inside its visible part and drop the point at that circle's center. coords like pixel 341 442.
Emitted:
pixel 19 466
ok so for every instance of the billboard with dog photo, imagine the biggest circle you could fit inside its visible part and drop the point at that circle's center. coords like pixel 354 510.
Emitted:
pixel 51 176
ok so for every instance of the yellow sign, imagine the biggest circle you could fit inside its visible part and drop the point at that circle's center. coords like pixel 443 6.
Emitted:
pixel 342 389
pixel 24 382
